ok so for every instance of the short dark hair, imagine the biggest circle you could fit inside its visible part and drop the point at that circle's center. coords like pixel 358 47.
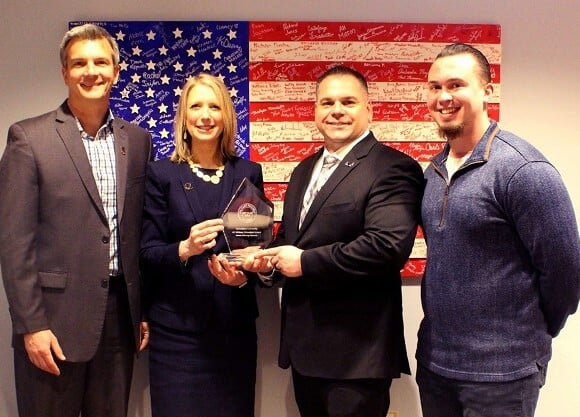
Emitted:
pixel 463 48
pixel 342 70
pixel 88 31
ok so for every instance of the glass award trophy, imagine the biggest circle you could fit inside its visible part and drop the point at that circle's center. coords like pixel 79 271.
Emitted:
pixel 248 222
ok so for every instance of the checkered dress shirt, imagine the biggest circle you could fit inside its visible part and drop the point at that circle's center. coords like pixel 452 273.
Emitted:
pixel 101 152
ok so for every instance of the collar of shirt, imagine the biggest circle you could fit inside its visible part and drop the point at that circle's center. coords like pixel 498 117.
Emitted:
pixel 102 133
pixel 342 152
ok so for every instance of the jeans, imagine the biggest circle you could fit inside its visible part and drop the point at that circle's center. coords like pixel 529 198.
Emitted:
pixel 444 397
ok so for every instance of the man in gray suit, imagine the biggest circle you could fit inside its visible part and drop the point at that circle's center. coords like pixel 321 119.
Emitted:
pixel 71 195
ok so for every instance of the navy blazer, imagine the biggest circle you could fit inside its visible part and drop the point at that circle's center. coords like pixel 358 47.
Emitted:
pixel 189 298
pixel 343 317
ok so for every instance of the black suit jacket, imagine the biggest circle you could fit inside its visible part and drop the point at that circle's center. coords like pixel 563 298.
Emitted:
pixel 189 298
pixel 54 235
pixel 343 318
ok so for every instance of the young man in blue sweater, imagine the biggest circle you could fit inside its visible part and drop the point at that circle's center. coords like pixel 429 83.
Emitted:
pixel 503 254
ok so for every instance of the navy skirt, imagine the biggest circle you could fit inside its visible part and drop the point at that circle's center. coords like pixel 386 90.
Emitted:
pixel 210 374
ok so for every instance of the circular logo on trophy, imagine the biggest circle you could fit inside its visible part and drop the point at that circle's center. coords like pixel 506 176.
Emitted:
pixel 247 213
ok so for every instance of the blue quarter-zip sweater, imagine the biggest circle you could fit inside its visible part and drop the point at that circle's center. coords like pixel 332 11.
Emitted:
pixel 503 262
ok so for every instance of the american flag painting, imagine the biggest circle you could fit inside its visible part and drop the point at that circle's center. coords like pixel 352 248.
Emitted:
pixel 270 69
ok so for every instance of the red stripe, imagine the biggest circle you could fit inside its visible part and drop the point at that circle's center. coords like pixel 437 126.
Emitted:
pixel 414 268
pixel 493 110
pixel 282 152
pixel 292 152
pixel 377 32
pixel 420 151
pixel 373 71
pixel 304 112
pixel 420 234
pixel 275 191
pixel 310 71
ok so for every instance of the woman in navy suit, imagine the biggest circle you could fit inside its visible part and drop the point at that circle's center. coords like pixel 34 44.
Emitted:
pixel 203 335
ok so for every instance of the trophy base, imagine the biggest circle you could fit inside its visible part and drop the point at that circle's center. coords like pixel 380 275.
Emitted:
pixel 231 257
pixel 238 255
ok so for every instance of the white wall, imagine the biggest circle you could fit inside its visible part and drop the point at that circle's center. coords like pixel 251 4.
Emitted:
pixel 540 92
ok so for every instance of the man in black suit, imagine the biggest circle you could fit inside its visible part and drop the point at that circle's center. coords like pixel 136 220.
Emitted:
pixel 71 201
pixel 341 246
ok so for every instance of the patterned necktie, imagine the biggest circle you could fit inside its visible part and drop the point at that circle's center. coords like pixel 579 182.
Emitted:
pixel 328 163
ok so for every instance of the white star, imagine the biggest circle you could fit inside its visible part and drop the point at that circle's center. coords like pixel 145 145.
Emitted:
pixel 177 91
pixel 232 34
pixel 123 66
pixel 178 66
pixel 162 108
pixel 222 78
pixel 207 34
pixel 152 123
pixel 177 33
pixel 206 66
pixel 120 36
pixel 124 93
pixel 151 35
pixel 137 51
pixel 135 108
pixel 164 134
pixel 191 51
pixel 217 54
pixel 149 92
pixel 135 78
pixel 233 92
pixel 150 65
pixel 232 67
pixel 165 79
pixel 163 50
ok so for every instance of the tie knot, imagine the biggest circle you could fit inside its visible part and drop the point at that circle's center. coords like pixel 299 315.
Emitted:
pixel 329 161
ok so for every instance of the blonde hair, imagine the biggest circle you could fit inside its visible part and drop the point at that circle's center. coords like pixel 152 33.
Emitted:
pixel 182 151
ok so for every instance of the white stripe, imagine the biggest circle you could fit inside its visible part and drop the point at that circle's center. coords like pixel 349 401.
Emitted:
pixel 334 51
pixel 304 91
pixel 307 132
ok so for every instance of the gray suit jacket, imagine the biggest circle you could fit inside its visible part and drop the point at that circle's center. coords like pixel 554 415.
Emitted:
pixel 54 234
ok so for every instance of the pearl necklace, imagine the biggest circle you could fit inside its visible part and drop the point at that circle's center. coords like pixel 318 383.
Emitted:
pixel 214 179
